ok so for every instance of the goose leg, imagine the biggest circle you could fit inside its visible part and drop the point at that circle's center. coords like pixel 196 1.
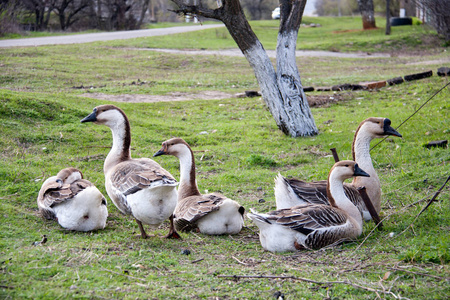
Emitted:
pixel 173 234
pixel 141 228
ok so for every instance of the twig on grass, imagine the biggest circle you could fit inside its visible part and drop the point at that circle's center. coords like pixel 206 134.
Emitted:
pixel 6 287
pixel 197 260
pixel 117 273
pixel 428 204
pixel 404 208
pixel 242 263
pixel 8 196
pixel 420 274
pixel 237 277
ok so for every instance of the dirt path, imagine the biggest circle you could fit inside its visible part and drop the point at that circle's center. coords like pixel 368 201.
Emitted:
pixel 270 53
pixel 313 100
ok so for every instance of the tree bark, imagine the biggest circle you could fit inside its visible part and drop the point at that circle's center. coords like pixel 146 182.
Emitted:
pixel 281 90
pixel 367 14
pixel 388 17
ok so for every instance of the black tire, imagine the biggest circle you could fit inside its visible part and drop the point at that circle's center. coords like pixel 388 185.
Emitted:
pixel 400 21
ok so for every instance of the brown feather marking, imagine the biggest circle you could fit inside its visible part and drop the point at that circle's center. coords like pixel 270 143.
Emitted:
pixel 191 209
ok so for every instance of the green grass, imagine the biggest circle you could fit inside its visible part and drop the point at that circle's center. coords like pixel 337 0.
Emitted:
pixel 343 34
pixel 40 115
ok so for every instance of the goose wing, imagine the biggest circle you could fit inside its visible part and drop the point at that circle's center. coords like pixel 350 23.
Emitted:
pixel 191 209
pixel 135 175
pixel 310 192
pixel 321 224
pixel 308 218
pixel 55 192
pixel 316 192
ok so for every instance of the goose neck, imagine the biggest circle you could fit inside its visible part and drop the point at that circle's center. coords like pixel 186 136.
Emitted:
pixel 188 186
pixel 120 150
pixel 337 198
pixel 361 150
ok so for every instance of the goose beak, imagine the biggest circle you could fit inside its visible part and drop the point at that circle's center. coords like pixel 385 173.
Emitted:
pixel 160 152
pixel 388 130
pixel 91 118
pixel 360 172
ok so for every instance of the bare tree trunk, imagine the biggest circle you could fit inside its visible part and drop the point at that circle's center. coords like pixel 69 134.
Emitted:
pixel 388 17
pixel 296 107
pixel 282 90
pixel 367 14
pixel 144 9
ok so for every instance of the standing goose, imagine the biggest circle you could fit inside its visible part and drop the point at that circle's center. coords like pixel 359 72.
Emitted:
pixel 291 192
pixel 212 214
pixel 314 226
pixel 73 201
pixel 138 187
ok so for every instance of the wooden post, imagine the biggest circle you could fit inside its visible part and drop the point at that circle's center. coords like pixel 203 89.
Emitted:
pixel 335 155
pixel 370 208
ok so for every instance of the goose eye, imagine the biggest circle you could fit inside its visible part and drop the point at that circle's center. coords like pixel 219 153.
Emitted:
pixel 103 201
pixel 346 166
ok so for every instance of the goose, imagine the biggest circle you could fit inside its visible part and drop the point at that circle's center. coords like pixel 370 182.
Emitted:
pixel 291 192
pixel 314 226
pixel 211 214
pixel 138 187
pixel 75 203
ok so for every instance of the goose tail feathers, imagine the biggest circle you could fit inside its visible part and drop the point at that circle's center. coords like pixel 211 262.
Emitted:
pixel 284 194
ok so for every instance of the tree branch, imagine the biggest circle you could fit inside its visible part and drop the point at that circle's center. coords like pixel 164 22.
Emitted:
pixel 428 204
pixel 420 274
pixel 237 277
pixel 197 10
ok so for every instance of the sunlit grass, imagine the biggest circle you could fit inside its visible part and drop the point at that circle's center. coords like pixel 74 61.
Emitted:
pixel 240 154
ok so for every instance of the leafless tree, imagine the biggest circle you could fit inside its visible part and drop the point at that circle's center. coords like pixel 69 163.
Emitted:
pixel 259 9
pixel 42 10
pixel 69 10
pixel 439 15
pixel 10 12
pixel 282 89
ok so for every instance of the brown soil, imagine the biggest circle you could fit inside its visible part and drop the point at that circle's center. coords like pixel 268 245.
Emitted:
pixel 313 100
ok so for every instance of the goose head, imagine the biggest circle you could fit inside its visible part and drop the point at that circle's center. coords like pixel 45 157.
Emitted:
pixel 69 175
pixel 341 171
pixel 378 127
pixel 345 169
pixel 175 146
pixel 109 115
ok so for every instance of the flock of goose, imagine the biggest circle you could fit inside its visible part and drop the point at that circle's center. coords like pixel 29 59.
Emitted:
pixel 309 215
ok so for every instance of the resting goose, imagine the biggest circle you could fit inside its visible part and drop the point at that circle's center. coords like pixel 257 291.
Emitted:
pixel 73 201
pixel 314 226
pixel 291 192
pixel 212 214
pixel 138 187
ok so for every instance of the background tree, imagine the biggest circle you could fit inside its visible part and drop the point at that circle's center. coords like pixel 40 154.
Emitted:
pixel 69 10
pixel 281 90
pixel 367 13
pixel 42 10
pixel 438 12
pixel 10 13
pixel 259 9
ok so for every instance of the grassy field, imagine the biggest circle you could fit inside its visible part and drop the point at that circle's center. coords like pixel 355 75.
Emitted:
pixel 240 155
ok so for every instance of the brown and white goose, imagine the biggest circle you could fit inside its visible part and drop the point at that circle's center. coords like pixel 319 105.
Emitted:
pixel 314 226
pixel 291 192
pixel 138 187
pixel 212 214
pixel 75 203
